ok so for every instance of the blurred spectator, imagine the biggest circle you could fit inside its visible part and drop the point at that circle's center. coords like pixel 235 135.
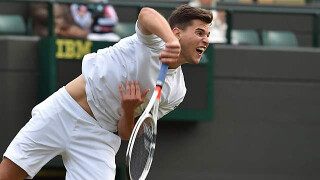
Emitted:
pixel 81 15
pixel 104 19
pixel 64 25
pixel 218 27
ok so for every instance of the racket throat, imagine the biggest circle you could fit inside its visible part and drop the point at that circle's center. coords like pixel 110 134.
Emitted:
pixel 158 88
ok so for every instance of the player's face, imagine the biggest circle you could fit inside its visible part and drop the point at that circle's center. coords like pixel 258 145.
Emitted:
pixel 194 41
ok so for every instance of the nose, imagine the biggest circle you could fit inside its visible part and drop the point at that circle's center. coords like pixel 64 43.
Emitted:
pixel 206 40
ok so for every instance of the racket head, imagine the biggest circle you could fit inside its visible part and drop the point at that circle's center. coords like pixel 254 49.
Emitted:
pixel 141 148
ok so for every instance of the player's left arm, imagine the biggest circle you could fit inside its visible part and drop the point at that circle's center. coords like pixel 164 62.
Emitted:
pixel 152 22
pixel 130 100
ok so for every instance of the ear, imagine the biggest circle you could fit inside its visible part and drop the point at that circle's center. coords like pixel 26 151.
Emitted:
pixel 177 32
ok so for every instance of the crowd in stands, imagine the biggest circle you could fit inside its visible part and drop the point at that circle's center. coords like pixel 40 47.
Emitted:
pixel 94 21
pixel 84 21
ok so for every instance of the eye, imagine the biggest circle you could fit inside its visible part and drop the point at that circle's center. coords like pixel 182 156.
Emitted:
pixel 199 33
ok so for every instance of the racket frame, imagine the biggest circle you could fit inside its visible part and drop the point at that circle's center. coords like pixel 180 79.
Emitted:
pixel 154 106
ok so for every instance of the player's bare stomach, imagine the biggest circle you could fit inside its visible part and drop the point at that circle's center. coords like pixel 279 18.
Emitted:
pixel 76 89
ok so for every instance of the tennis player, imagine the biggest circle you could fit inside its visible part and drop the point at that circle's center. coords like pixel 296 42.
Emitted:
pixel 80 120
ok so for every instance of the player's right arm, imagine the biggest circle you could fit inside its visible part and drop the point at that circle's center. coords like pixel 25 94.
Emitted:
pixel 131 98
pixel 152 22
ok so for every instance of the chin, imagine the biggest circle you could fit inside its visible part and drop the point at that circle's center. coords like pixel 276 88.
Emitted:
pixel 194 61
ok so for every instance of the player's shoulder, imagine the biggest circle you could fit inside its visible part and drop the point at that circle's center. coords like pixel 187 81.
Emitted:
pixel 178 83
pixel 182 84
pixel 90 56
pixel 150 40
pixel 179 73
pixel 95 55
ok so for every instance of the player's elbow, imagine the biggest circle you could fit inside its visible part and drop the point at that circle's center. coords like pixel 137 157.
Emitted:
pixel 146 15
pixel 124 132
pixel 146 11
pixel 125 136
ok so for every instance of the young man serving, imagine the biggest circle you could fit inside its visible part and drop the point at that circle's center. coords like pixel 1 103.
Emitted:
pixel 79 121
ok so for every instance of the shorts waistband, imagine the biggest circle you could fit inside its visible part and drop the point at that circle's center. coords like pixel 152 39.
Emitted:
pixel 75 105
pixel 81 111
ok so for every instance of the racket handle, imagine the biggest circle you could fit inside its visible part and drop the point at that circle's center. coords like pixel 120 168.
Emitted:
pixel 162 74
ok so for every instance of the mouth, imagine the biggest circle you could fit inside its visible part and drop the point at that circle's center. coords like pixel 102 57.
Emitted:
pixel 200 50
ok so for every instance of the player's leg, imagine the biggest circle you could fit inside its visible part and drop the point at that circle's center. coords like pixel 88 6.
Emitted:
pixel 91 152
pixel 43 137
pixel 35 144
pixel 10 171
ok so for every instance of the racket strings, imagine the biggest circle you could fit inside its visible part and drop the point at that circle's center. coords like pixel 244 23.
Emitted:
pixel 142 150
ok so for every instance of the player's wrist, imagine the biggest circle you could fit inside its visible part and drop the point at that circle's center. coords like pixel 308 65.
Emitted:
pixel 171 39
pixel 129 113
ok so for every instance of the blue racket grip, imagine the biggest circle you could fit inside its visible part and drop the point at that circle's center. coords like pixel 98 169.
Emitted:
pixel 162 74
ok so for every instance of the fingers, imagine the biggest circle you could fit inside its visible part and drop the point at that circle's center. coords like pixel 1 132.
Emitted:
pixel 121 91
pixel 138 89
pixel 172 48
pixel 131 98
pixel 170 53
pixel 173 45
pixel 132 89
pixel 167 59
pixel 144 94
pixel 128 88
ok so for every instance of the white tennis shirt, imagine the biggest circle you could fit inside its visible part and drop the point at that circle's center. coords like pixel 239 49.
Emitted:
pixel 133 58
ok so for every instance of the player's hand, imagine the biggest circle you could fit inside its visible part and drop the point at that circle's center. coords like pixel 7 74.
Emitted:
pixel 132 98
pixel 171 52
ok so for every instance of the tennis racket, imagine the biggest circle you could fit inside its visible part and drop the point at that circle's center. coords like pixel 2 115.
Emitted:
pixel 142 142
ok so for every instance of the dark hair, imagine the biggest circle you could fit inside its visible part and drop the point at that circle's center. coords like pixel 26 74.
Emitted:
pixel 184 14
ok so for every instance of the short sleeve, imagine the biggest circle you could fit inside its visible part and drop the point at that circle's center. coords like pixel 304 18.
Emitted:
pixel 152 40
pixel 173 92
pixel 165 109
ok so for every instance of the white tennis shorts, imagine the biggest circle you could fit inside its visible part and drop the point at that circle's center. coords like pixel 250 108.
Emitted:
pixel 59 126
